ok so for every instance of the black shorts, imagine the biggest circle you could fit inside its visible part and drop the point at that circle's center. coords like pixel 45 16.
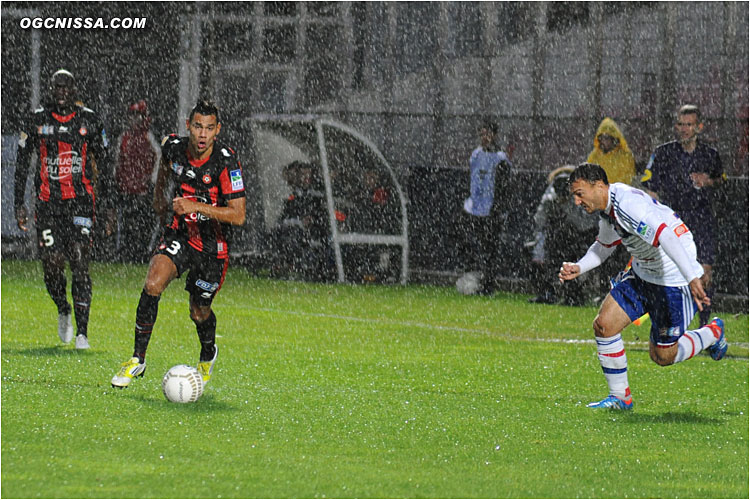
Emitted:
pixel 207 271
pixel 63 227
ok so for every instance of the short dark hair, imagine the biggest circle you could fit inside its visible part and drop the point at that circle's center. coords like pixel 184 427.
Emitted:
pixel 690 109
pixel 589 172
pixel 489 124
pixel 63 74
pixel 206 108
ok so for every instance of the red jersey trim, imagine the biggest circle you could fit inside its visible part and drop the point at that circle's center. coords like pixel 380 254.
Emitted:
pixel 609 245
pixel 84 177
pixel 658 232
pixel 197 163
pixel 43 172
pixel 63 119
pixel 65 170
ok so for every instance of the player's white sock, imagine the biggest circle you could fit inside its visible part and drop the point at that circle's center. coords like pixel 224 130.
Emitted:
pixel 611 352
pixel 694 341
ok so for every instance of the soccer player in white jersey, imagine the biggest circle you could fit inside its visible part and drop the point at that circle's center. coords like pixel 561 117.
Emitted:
pixel 664 280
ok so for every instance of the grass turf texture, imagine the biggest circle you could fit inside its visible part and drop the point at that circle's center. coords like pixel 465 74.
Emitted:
pixel 357 391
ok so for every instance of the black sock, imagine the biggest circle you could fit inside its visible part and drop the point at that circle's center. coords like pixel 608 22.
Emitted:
pixel 207 336
pixel 145 317
pixel 81 289
pixel 55 282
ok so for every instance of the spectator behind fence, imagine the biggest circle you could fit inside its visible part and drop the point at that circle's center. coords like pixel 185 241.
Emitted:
pixel 683 174
pixel 137 155
pixel 300 238
pixel 561 231
pixel 375 209
pixel 611 152
pixel 375 206
pixel 487 205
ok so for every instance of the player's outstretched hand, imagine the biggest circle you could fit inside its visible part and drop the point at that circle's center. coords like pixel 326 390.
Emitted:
pixel 699 294
pixel 569 271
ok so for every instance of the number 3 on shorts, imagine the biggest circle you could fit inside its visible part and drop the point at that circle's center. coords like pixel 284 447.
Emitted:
pixel 47 237
pixel 174 247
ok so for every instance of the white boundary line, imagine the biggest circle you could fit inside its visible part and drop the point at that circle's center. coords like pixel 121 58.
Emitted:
pixel 451 328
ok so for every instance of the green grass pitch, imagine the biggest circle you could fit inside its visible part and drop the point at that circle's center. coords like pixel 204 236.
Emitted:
pixel 357 391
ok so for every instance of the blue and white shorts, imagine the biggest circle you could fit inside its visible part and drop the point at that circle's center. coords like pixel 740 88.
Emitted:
pixel 671 307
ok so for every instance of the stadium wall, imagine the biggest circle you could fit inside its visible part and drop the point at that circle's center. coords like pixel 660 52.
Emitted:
pixel 413 77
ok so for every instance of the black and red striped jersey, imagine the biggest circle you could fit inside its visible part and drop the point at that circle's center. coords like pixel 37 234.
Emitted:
pixel 65 146
pixel 213 181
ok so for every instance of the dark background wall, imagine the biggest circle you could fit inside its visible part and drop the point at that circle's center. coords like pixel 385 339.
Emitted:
pixel 416 78
pixel 438 238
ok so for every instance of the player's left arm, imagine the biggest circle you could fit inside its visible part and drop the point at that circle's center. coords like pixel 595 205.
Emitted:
pixel 606 242
pixel 669 242
pixel 653 228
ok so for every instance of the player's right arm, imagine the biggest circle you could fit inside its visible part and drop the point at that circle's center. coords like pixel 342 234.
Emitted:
pixel 598 252
pixel 26 146
pixel 569 271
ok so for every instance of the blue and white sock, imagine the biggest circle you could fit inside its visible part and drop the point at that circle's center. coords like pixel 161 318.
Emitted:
pixel 694 341
pixel 611 353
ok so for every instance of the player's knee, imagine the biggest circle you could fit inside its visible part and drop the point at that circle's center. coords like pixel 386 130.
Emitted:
pixel 153 287
pixel 598 326
pixel 199 314
pixel 79 268
pixel 661 357
pixel 199 317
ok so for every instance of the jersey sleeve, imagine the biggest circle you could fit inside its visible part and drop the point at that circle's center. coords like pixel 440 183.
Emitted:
pixel 502 157
pixel 640 216
pixel 169 146
pixel 607 236
pixel 232 184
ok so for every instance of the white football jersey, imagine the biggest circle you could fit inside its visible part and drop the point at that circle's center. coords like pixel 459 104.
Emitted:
pixel 636 220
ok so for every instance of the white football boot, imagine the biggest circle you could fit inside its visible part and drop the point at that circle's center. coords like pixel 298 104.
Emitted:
pixel 65 327
pixel 82 342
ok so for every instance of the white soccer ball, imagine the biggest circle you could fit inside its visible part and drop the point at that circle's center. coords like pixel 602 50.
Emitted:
pixel 469 283
pixel 182 384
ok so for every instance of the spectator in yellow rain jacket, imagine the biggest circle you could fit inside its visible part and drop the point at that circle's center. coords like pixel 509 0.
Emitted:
pixel 611 152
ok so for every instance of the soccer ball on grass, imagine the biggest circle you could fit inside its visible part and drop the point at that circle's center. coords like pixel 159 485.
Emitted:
pixel 182 384
pixel 469 283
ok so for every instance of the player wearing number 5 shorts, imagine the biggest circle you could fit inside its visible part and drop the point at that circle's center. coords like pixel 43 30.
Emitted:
pixel 70 145
pixel 201 179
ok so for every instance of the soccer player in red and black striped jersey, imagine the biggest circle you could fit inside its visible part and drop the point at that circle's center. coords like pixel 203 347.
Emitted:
pixel 71 145
pixel 203 179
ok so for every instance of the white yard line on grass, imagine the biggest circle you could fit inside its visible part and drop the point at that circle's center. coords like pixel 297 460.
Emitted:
pixel 453 328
